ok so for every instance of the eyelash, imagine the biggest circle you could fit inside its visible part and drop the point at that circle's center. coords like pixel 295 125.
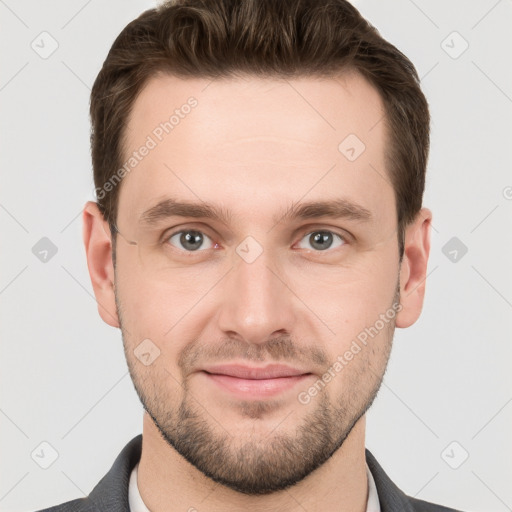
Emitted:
pixel 344 239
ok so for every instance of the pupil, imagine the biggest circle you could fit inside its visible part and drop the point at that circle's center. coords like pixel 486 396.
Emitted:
pixel 191 237
pixel 321 237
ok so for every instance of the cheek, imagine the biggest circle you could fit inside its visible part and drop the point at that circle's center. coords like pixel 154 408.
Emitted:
pixel 163 309
pixel 146 310
pixel 143 293
pixel 348 298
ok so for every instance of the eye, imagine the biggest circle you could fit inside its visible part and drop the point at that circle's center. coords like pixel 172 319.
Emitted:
pixel 322 240
pixel 190 239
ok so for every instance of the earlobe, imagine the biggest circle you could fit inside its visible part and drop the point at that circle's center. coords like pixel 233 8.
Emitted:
pixel 98 249
pixel 413 270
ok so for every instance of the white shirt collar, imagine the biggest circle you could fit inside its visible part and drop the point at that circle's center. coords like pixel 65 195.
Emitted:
pixel 137 505
pixel 134 497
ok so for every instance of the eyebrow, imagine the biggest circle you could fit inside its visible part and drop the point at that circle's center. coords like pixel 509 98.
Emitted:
pixel 336 208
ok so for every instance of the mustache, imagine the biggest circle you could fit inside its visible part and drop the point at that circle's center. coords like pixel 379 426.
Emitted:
pixel 280 348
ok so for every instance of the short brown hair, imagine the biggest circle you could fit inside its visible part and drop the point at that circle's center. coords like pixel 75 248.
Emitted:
pixel 281 38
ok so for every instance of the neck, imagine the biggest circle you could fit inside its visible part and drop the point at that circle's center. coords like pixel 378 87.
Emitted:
pixel 168 483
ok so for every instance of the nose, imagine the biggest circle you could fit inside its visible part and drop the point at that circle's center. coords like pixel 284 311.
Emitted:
pixel 257 303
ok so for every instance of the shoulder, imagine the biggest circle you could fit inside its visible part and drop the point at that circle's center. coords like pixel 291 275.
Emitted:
pixel 78 505
pixel 392 498
pixel 425 506
pixel 111 492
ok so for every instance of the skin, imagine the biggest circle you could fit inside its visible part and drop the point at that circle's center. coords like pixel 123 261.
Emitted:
pixel 254 146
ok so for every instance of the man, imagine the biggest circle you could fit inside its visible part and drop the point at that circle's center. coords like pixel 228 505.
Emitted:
pixel 258 235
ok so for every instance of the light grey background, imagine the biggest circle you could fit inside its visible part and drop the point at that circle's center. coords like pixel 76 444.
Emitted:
pixel 64 379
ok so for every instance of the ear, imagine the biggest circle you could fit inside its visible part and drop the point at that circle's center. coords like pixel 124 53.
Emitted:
pixel 98 249
pixel 413 270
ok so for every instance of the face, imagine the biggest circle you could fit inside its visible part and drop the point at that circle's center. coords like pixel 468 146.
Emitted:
pixel 258 229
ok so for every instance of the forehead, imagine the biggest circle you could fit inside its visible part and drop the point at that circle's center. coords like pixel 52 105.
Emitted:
pixel 232 138
pixel 337 104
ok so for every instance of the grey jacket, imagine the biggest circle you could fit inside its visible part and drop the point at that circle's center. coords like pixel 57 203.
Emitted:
pixel 111 492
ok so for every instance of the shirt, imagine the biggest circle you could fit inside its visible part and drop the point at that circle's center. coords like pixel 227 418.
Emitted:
pixel 137 505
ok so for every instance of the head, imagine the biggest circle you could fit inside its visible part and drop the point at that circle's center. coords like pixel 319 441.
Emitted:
pixel 259 170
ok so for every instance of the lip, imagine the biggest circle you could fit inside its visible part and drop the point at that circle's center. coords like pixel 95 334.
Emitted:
pixel 255 383
pixel 271 371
